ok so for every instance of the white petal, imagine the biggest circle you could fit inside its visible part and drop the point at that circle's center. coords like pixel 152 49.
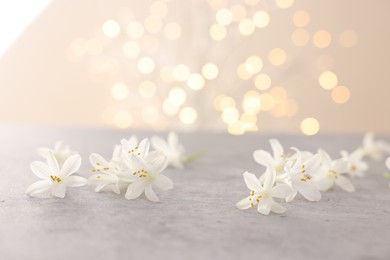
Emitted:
pixel 277 148
pixel 277 208
pixel 251 181
pixel 75 181
pixel 263 158
pixel 156 162
pixel 264 207
pixel 38 187
pixel 60 145
pixel 115 188
pixel 308 190
pixel 313 163
pixel 388 163
pixel 41 170
pixel 143 147
pixel 52 162
pixel 58 190
pixel 159 144
pixel 269 178
pixel 136 163
pixel 340 166
pixel 325 158
pixel 97 161
pixel 150 194
pixel 244 203
pixel 135 190
pixel 163 182
pixel 323 183
pixel 368 139
pixel 71 165
pixel 344 183
pixel 173 139
pixel 292 196
pixel 281 191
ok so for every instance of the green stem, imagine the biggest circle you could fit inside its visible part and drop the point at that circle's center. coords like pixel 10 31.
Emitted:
pixel 193 157
pixel 387 175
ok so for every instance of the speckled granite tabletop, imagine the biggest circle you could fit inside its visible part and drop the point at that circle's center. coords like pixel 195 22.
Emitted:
pixel 198 218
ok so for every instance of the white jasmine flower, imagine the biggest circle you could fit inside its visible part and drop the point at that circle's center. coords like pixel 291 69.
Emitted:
pixel 388 166
pixel 131 146
pixel 375 149
pixel 171 148
pixel 262 194
pixel 55 177
pixel 277 160
pixel 61 151
pixel 107 172
pixel 356 165
pixel 145 173
pixel 332 172
pixel 300 173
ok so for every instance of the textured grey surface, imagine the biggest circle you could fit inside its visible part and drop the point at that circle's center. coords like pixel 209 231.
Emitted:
pixel 195 220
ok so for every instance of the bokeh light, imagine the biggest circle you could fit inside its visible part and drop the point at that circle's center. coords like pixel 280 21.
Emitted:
pixel 218 32
pixel 284 3
pixel 341 94
pixel 310 126
pixel 263 81
pixel 348 38
pixel 301 18
pixel 210 71
pixel 111 28
pixel 146 65
pixel 328 80
pixel 119 91
pixel 188 115
pixel 261 19
pixel 277 56
pixel 322 39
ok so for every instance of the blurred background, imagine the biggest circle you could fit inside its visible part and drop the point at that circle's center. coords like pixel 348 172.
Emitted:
pixel 296 66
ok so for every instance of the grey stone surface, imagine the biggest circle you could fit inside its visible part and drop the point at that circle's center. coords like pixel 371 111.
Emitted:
pixel 195 220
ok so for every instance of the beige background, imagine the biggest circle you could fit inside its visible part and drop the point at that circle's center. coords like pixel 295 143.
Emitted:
pixel 39 85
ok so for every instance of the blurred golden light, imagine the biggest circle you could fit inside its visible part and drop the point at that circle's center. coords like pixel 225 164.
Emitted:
pixel 147 89
pixel 230 115
pixel 166 74
pixel 146 65
pixel 181 72
pixel 310 126
pixel 169 108
pixel 76 50
pixel 119 91
pixel 94 46
pixel 218 32
pixel 300 37
pixel 236 128
pixel 251 103
pixel 341 94
pixel 123 119
pixel 279 93
pixel 111 28
pixel 267 102
pixel 177 96
pixel 252 2
pixel 246 27
pixel 217 4
pixel 159 9
pixel 210 71
pixel 153 24
pixel 348 39
pixel 322 39
pixel 242 72
pixel 131 49
pixel 277 56
pixel 263 81
pixel 149 114
pixel 188 115
pixel 135 29
pixel 301 18
pixel 224 16
pixel 253 64
pixel 249 118
pixel 280 109
pixel 196 81
pixel 223 102
pixel 284 3
pixel 238 12
pixel 261 19
pixel 328 80
pixel 172 31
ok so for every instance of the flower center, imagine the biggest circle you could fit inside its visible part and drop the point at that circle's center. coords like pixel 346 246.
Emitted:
pixel 55 178
pixel 353 167
pixel 141 173
pixel 332 174
pixel 254 198
pixel 99 168
pixel 135 151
